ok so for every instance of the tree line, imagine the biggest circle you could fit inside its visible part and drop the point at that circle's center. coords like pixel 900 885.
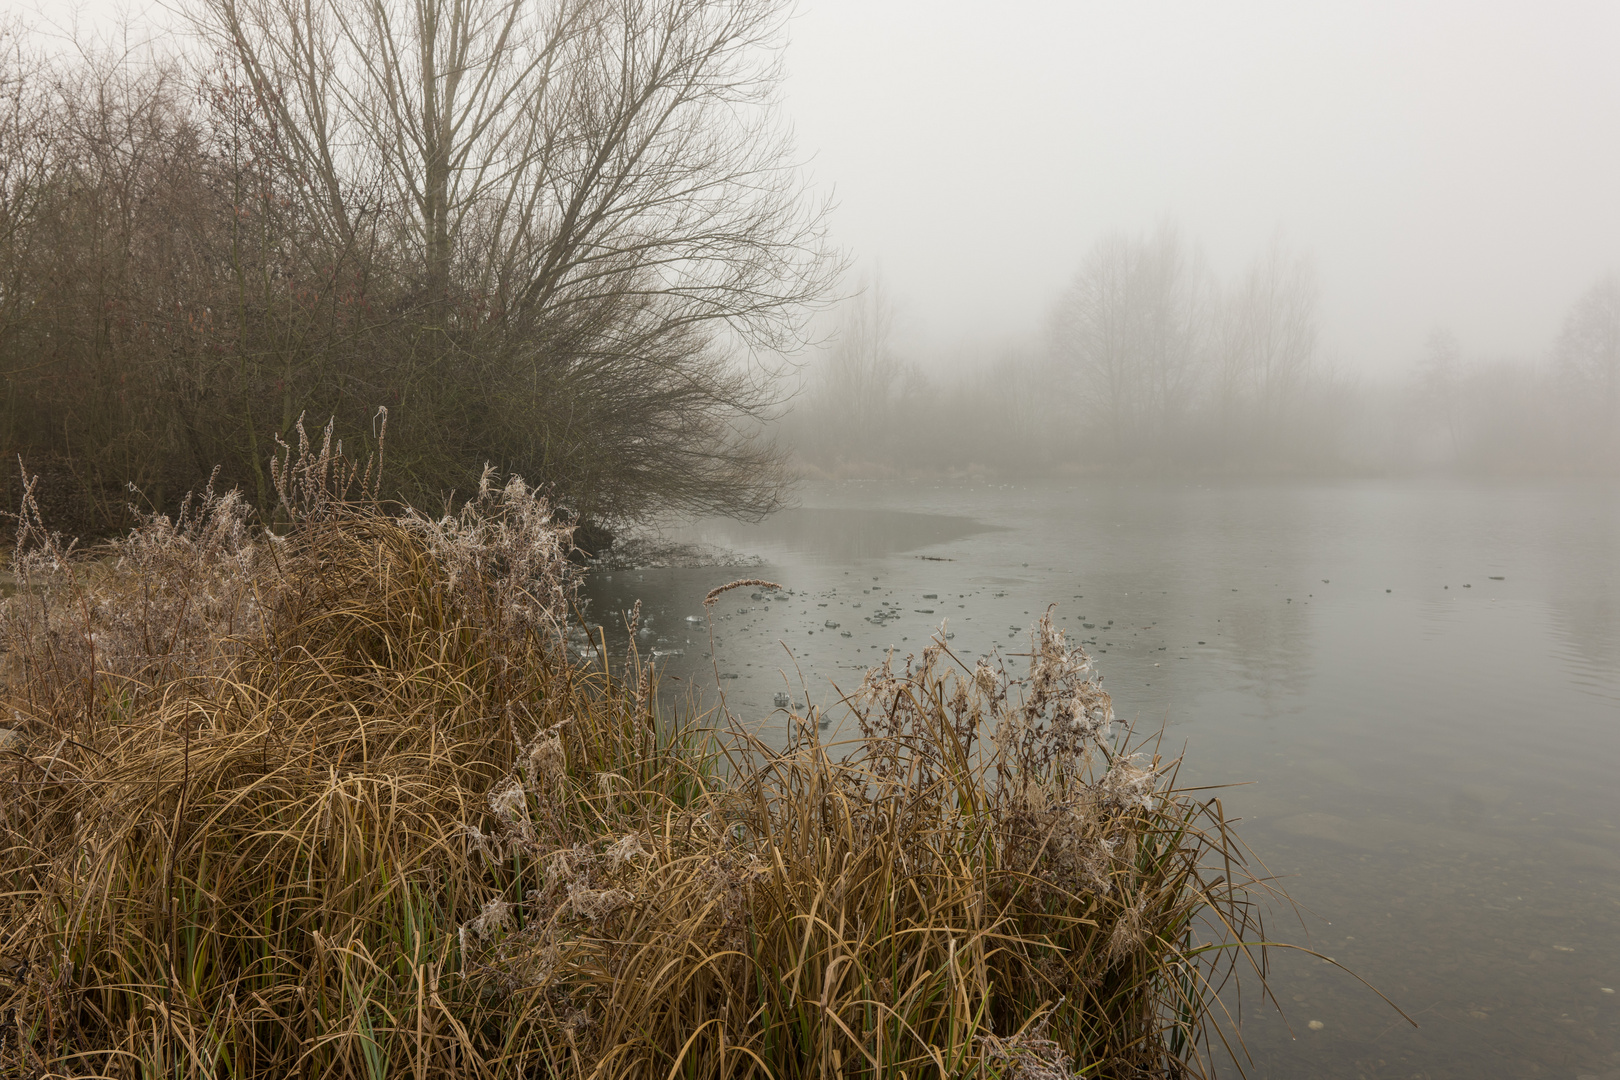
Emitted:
pixel 565 238
pixel 1149 360
pixel 1556 412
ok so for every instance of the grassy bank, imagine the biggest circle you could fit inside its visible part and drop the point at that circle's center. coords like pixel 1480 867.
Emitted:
pixel 334 802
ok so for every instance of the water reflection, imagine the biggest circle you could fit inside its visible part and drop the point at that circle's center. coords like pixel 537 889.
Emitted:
pixel 1585 609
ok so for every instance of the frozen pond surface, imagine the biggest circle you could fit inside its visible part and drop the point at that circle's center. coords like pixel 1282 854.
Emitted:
pixel 1422 682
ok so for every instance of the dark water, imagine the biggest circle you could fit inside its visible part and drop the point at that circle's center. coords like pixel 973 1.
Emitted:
pixel 1422 682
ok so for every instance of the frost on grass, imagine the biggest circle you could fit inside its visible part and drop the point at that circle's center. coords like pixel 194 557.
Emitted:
pixel 998 803
pixel 167 601
pixel 1029 1055
pixel 359 714
pixel 188 595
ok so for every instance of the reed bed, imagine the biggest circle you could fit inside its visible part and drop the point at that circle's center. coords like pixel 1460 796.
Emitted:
pixel 332 800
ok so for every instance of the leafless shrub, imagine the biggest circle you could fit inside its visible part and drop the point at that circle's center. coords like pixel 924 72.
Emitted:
pixel 579 274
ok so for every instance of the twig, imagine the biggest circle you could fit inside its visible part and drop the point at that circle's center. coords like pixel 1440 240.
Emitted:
pixel 715 594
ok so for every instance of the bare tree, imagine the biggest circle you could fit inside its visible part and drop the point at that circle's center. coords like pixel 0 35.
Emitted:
pixel 854 387
pixel 1128 329
pixel 1441 383
pixel 1267 341
pixel 1092 335
pixel 596 205
pixel 1173 295
pixel 1588 347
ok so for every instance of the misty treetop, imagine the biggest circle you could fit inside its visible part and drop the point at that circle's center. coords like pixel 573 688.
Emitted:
pixel 1155 345
pixel 558 237
pixel 1588 348
pixel 1150 360
pixel 1147 360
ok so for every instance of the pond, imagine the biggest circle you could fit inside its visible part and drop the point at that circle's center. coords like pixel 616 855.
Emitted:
pixel 1417 685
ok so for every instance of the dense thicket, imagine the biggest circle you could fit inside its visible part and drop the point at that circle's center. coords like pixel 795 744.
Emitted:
pixel 553 237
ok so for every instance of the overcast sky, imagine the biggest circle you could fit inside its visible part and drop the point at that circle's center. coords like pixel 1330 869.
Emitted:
pixel 1446 164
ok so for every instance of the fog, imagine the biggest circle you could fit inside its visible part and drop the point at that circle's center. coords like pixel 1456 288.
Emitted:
pixel 1446 164
pixel 1441 179
pixel 1149 360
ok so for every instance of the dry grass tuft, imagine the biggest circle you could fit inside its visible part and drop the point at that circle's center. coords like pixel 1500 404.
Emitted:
pixel 333 802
